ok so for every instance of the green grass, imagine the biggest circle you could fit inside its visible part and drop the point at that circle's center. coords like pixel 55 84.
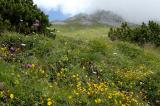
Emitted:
pixel 80 67
pixel 83 32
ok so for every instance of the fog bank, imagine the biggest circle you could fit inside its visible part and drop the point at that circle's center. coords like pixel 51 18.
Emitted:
pixel 132 10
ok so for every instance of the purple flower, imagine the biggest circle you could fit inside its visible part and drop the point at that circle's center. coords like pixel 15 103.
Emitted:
pixel 11 49
pixel 28 65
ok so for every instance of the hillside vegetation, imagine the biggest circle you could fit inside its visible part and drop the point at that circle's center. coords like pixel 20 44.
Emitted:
pixel 81 67
pixel 83 32
pixel 22 16
pixel 143 34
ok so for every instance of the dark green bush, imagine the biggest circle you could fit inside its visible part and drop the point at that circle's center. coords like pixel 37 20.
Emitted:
pixel 145 33
pixel 22 16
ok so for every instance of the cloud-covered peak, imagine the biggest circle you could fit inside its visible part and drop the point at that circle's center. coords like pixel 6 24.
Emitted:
pixel 133 10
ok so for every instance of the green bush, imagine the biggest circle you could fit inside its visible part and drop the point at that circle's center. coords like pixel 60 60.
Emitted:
pixel 141 34
pixel 50 33
pixel 22 16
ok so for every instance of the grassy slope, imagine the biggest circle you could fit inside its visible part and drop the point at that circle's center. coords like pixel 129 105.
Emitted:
pixel 83 32
pixel 79 68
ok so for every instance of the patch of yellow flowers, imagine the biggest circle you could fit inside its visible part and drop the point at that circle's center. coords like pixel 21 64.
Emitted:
pixel 49 102
pixel 98 101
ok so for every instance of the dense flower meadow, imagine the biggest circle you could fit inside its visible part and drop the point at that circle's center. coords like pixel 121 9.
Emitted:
pixel 37 71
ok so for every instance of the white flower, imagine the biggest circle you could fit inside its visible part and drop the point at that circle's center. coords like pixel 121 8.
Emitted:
pixel 115 53
pixel 23 44
pixel 94 72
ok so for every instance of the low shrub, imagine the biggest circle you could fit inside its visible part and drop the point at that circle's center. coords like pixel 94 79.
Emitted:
pixel 145 33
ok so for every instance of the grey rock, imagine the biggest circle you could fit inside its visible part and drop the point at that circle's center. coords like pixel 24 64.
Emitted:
pixel 99 17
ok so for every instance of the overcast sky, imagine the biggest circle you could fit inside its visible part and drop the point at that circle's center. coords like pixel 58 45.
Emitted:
pixel 133 10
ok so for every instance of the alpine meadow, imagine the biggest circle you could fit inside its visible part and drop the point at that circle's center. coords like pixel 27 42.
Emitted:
pixel 87 59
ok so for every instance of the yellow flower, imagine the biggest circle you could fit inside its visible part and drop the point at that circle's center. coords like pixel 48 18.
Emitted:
pixel 3 49
pixel 18 75
pixel 11 96
pixel 62 69
pixel 58 74
pixel 33 65
pixel 70 97
pixel 49 99
pixel 1 93
pixel 98 100
pixel 89 94
pixel 51 86
pixel 42 71
pixel 74 76
pixel 77 79
pixel 75 92
pixel 49 103
pixel 110 96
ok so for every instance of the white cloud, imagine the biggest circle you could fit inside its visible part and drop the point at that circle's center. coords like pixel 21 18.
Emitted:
pixel 71 7
pixel 134 10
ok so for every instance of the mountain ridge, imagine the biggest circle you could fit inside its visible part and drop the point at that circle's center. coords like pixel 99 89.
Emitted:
pixel 99 17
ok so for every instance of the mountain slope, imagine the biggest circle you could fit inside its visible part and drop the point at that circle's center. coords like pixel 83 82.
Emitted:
pixel 70 71
pixel 99 17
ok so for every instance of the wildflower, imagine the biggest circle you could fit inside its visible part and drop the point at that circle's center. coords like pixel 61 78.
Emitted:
pixel 94 72
pixel 42 71
pixel 76 92
pixel 109 96
pixel 89 94
pixel 62 69
pixel 70 97
pixel 77 79
pixel 78 84
pixel 51 86
pixel 115 53
pixel 83 67
pixel 58 74
pixel 16 82
pixel 11 96
pixel 3 49
pixel 1 93
pixel 98 100
pixel 18 76
pixel 28 65
pixel 33 65
pixel 49 102
pixel 11 49
pixel 74 76
pixel 134 100
pixel 23 44
pixel 49 99
pixel 21 20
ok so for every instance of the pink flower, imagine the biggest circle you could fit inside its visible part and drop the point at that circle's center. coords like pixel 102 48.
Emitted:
pixel 28 65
